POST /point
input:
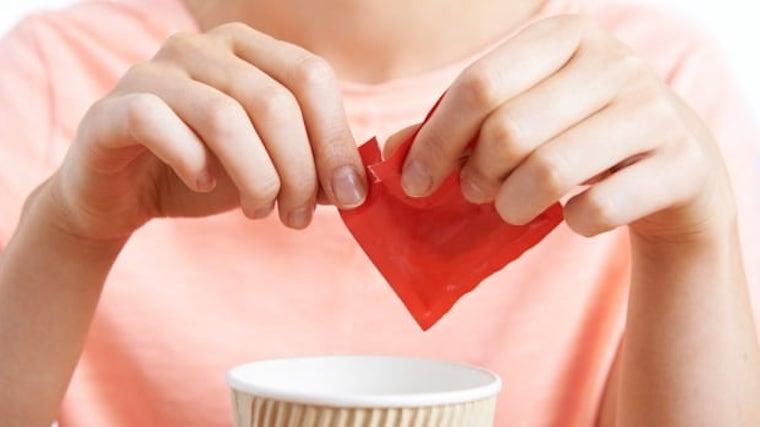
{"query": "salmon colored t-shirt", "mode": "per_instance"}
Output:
(188, 299)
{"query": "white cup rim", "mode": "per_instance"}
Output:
(468, 383)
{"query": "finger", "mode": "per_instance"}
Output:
(635, 192)
(597, 73)
(226, 130)
(276, 116)
(499, 76)
(144, 119)
(614, 135)
(624, 164)
(316, 88)
(398, 138)
(322, 198)
(388, 148)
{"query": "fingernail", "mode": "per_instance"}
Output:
(206, 182)
(416, 180)
(347, 187)
(472, 191)
(300, 217)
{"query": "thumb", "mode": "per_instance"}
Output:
(397, 138)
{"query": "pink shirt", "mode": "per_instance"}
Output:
(188, 299)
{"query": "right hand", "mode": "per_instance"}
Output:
(228, 118)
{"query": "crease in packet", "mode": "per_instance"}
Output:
(434, 250)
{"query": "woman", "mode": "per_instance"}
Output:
(126, 116)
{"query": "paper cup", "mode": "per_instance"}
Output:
(362, 391)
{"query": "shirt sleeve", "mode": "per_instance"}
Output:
(26, 119)
(705, 80)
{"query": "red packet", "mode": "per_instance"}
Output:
(434, 250)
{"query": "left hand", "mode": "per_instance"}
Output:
(562, 105)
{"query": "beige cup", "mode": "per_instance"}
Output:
(362, 391)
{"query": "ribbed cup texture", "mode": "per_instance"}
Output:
(253, 411)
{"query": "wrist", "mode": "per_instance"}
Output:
(712, 251)
(46, 214)
(42, 251)
(709, 234)
(708, 221)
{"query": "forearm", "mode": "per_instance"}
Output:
(50, 282)
(690, 351)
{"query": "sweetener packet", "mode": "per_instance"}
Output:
(433, 250)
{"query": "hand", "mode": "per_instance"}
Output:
(562, 105)
(214, 121)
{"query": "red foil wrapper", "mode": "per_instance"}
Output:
(433, 250)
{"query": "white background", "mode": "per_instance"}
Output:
(734, 23)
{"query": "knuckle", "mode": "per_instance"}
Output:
(331, 151)
(575, 20)
(620, 63)
(630, 65)
(275, 103)
(236, 27)
(331, 145)
(504, 136)
(101, 106)
(566, 19)
(178, 44)
(649, 89)
(662, 111)
(221, 114)
(140, 110)
(477, 88)
(552, 23)
(550, 171)
(312, 70)
(142, 69)
(567, 24)
(505, 129)
(571, 22)
(136, 76)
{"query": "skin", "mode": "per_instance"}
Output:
(582, 110)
